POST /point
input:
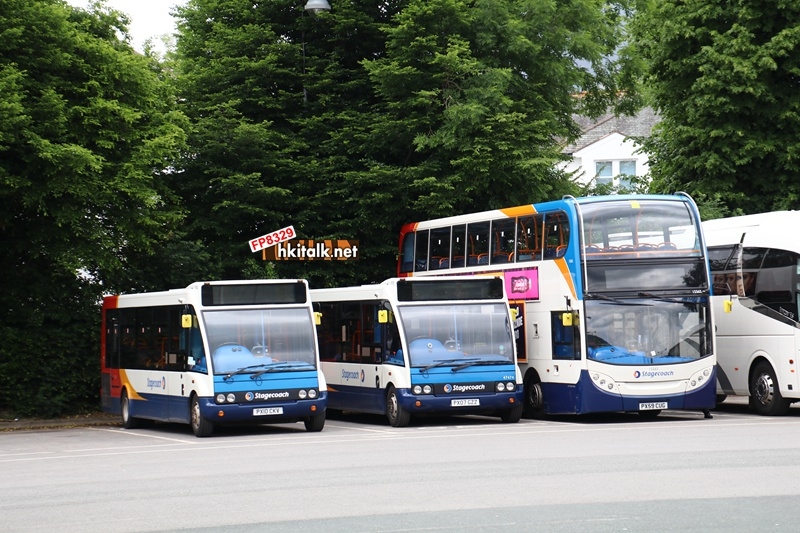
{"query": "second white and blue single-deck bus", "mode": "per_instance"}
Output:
(612, 294)
(219, 352)
(429, 346)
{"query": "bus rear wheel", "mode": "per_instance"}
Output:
(765, 393)
(315, 422)
(397, 415)
(128, 422)
(200, 426)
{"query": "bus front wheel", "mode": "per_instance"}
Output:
(200, 426)
(128, 422)
(315, 422)
(513, 415)
(533, 401)
(397, 415)
(765, 393)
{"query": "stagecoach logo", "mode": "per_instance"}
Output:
(477, 387)
(271, 395)
(653, 374)
(156, 383)
(347, 375)
(248, 396)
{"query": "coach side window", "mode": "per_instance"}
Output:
(777, 282)
(458, 246)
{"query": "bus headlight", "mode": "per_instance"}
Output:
(231, 397)
(427, 389)
(220, 398)
(699, 379)
(511, 386)
(422, 389)
(602, 381)
(417, 389)
(312, 393)
(500, 386)
(302, 394)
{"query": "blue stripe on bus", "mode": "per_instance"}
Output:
(565, 398)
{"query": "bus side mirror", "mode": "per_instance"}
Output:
(317, 318)
(383, 316)
(566, 319)
(728, 306)
(186, 321)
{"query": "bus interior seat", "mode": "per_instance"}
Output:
(501, 258)
(444, 262)
(667, 246)
(472, 260)
(561, 250)
(458, 261)
(483, 259)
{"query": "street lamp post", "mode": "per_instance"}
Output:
(313, 7)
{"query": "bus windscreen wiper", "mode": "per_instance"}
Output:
(442, 362)
(281, 365)
(479, 362)
(659, 298)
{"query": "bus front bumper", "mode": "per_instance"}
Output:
(262, 412)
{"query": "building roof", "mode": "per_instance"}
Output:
(639, 125)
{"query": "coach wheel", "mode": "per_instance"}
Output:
(533, 400)
(397, 415)
(721, 398)
(765, 394)
(315, 423)
(200, 426)
(128, 422)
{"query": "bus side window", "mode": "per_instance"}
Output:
(478, 241)
(458, 246)
(421, 255)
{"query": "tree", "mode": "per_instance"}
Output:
(86, 129)
(354, 122)
(724, 78)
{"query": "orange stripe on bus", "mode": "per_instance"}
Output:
(518, 211)
(132, 394)
(562, 266)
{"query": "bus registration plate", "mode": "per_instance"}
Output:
(268, 411)
(467, 402)
(653, 405)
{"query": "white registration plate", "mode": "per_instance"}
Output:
(466, 402)
(263, 411)
(653, 405)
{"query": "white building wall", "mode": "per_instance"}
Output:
(615, 148)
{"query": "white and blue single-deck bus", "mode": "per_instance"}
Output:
(611, 293)
(430, 346)
(755, 263)
(220, 352)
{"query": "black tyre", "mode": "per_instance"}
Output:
(513, 415)
(315, 423)
(398, 417)
(128, 422)
(721, 398)
(765, 393)
(200, 426)
(533, 402)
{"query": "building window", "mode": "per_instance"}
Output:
(627, 170)
(603, 175)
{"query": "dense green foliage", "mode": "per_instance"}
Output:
(356, 121)
(87, 126)
(724, 77)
